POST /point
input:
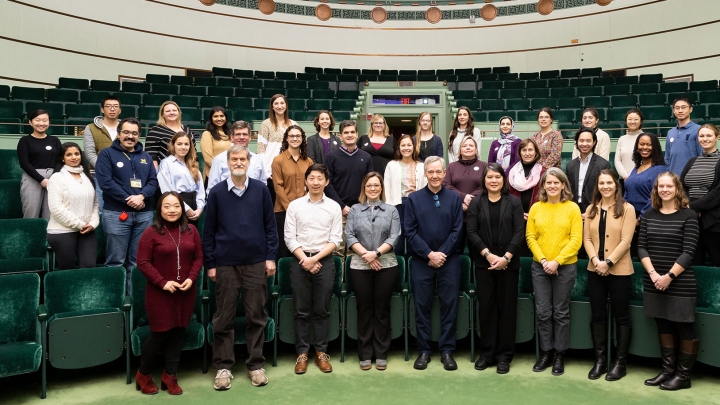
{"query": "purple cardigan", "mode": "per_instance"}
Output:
(514, 156)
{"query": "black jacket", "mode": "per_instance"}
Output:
(512, 229)
(314, 147)
(572, 170)
(709, 205)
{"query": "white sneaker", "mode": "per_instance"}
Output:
(222, 380)
(258, 377)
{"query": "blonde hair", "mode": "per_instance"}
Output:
(191, 161)
(417, 130)
(386, 131)
(466, 138)
(161, 119)
(681, 200)
(565, 194)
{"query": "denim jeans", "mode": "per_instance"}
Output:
(123, 238)
(99, 194)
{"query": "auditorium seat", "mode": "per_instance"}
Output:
(699, 111)
(704, 85)
(286, 75)
(11, 109)
(9, 192)
(564, 115)
(585, 81)
(249, 116)
(274, 84)
(597, 102)
(307, 76)
(263, 74)
(501, 69)
(105, 85)
(222, 82)
(517, 104)
(223, 72)
(570, 103)
(186, 101)
(492, 104)
(538, 103)
(462, 71)
(187, 90)
(23, 244)
(262, 104)
(591, 72)
(157, 79)
(570, 73)
(296, 104)
(693, 97)
(251, 93)
(568, 92)
(626, 80)
(135, 87)
(651, 78)
(296, 84)
(218, 91)
(181, 80)
(707, 313)
(624, 101)
(347, 71)
(72, 83)
(495, 116)
(93, 97)
(347, 94)
(645, 100)
(589, 91)
(549, 74)
(536, 84)
(170, 89)
(473, 105)
(343, 105)
(513, 84)
(398, 306)
(504, 93)
(657, 114)
(321, 94)
(616, 90)
(305, 115)
(675, 87)
(22, 345)
(463, 94)
(646, 88)
(81, 111)
(558, 83)
(497, 85)
(537, 93)
(62, 96)
(530, 116)
(487, 77)
(319, 85)
(318, 104)
(316, 70)
(529, 76)
(508, 76)
(603, 81)
(270, 93)
(299, 93)
(154, 100)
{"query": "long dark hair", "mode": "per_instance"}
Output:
(415, 154)
(657, 155)
(303, 146)
(160, 222)
(469, 130)
(83, 161)
(210, 127)
(618, 208)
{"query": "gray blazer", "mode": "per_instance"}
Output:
(314, 147)
(372, 227)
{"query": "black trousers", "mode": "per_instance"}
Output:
(250, 282)
(190, 199)
(311, 297)
(271, 188)
(171, 341)
(373, 292)
(283, 251)
(74, 247)
(618, 288)
(707, 245)
(497, 294)
(683, 330)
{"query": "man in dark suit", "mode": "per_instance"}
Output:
(583, 171)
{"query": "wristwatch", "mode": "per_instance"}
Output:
(487, 254)
(609, 262)
(506, 259)
(671, 274)
(377, 252)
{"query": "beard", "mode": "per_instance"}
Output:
(238, 172)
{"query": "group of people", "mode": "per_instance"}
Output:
(375, 197)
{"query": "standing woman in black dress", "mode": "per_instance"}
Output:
(668, 237)
(496, 233)
(379, 143)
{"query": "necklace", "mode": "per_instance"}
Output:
(177, 248)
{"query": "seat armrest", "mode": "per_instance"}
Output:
(275, 293)
(471, 289)
(42, 313)
(205, 297)
(127, 303)
(343, 290)
(405, 288)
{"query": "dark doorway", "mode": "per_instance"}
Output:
(401, 125)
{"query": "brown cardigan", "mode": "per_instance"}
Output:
(619, 234)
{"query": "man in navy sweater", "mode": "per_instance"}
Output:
(347, 166)
(433, 223)
(239, 246)
(126, 175)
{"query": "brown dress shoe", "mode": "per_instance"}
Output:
(301, 363)
(145, 384)
(322, 360)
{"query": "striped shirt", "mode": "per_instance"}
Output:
(699, 179)
(668, 239)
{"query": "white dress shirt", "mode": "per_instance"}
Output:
(173, 175)
(219, 170)
(583, 172)
(311, 225)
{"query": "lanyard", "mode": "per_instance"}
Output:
(132, 162)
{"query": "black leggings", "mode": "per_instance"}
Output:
(618, 288)
(171, 341)
(73, 247)
(684, 330)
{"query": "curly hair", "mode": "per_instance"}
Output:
(657, 155)
(303, 146)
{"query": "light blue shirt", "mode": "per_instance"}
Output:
(681, 145)
(219, 170)
(173, 175)
(237, 191)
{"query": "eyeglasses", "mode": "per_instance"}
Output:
(425, 120)
(294, 136)
(126, 132)
(681, 107)
(112, 107)
(378, 123)
(437, 201)
(373, 186)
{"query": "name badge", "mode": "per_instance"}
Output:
(135, 183)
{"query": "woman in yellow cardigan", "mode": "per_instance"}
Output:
(609, 227)
(554, 236)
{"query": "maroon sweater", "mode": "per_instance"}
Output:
(157, 259)
(465, 177)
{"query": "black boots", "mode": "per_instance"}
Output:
(559, 364)
(667, 356)
(546, 359)
(599, 338)
(618, 371)
(685, 361)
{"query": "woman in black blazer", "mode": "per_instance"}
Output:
(323, 142)
(582, 189)
(496, 232)
(701, 180)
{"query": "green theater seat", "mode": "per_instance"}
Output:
(4, 91)
(570, 103)
(589, 91)
(235, 103)
(538, 103)
(188, 90)
(136, 87)
(219, 71)
(649, 100)
(195, 332)
(11, 109)
(562, 92)
(212, 101)
(186, 101)
(222, 82)
(296, 104)
(207, 81)
(72, 83)
(616, 90)
(93, 97)
(243, 73)
(525, 321)
(704, 85)
(270, 93)
(320, 94)
(105, 85)
(28, 93)
(343, 105)
(707, 314)
(10, 168)
(62, 95)
(584, 81)
(529, 76)
(88, 320)
(305, 115)
(318, 104)
(159, 79)
(603, 81)
(517, 104)
(81, 111)
(626, 80)
(22, 347)
(302, 94)
(644, 341)
(218, 91)
(249, 116)
(651, 78)
(597, 102)
(248, 93)
(398, 305)
(624, 101)
(286, 75)
(591, 72)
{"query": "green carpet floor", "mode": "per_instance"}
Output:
(347, 384)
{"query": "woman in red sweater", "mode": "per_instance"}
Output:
(170, 256)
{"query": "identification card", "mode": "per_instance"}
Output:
(135, 183)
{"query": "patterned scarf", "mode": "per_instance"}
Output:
(506, 141)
